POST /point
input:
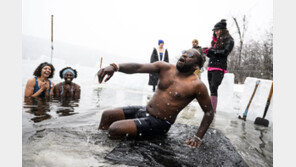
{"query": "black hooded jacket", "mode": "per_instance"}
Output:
(218, 57)
(153, 77)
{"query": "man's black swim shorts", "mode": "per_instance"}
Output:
(147, 124)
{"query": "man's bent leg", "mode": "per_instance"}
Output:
(122, 128)
(110, 116)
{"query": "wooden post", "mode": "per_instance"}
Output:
(51, 55)
(101, 62)
(51, 28)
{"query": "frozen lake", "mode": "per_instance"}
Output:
(66, 133)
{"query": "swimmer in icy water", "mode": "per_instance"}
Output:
(67, 88)
(177, 87)
(40, 85)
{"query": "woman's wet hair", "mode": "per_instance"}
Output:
(38, 70)
(61, 72)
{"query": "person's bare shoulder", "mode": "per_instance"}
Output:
(52, 83)
(76, 86)
(200, 87)
(31, 80)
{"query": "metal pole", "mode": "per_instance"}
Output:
(51, 55)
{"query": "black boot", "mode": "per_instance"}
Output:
(153, 89)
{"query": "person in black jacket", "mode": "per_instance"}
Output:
(159, 54)
(221, 46)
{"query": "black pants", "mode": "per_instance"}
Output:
(153, 89)
(215, 78)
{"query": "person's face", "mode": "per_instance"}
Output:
(187, 61)
(217, 32)
(46, 71)
(68, 77)
(161, 45)
(194, 44)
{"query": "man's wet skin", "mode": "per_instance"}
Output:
(173, 94)
(177, 87)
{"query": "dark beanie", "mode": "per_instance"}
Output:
(220, 25)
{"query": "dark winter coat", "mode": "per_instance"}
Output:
(218, 57)
(196, 47)
(153, 77)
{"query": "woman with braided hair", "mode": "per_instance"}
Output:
(67, 88)
(221, 45)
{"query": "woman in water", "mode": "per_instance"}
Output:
(221, 46)
(67, 88)
(40, 85)
(159, 54)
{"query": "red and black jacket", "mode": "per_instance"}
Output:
(218, 57)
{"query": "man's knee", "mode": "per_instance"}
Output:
(115, 129)
(120, 129)
(114, 113)
(106, 114)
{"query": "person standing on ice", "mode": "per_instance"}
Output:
(159, 54)
(177, 87)
(221, 45)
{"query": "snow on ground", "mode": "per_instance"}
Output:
(258, 103)
(233, 98)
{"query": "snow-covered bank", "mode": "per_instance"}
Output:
(257, 106)
(233, 98)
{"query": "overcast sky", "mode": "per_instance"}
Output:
(132, 27)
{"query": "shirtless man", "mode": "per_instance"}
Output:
(177, 87)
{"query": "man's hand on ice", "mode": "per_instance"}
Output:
(193, 142)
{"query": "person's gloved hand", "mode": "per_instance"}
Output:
(211, 51)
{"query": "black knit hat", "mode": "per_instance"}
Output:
(220, 25)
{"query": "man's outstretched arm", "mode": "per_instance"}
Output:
(204, 101)
(131, 68)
